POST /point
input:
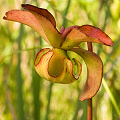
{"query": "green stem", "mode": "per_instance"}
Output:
(111, 97)
(36, 93)
(66, 11)
(49, 100)
(19, 80)
(89, 101)
(36, 83)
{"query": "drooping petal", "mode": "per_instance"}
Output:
(54, 37)
(85, 33)
(26, 18)
(41, 11)
(95, 32)
(75, 37)
(94, 73)
(51, 71)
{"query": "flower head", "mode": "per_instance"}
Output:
(55, 65)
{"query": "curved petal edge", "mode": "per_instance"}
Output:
(47, 22)
(65, 77)
(94, 73)
(27, 18)
(85, 33)
(95, 32)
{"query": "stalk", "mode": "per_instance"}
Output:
(89, 101)
(89, 109)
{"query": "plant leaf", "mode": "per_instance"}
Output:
(46, 21)
(94, 72)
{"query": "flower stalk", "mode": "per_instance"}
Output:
(89, 101)
(89, 109)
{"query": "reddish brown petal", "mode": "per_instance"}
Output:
(40, 11)
(68, 30)
(26, 18)
(75, 37)
(92, 31)
(54, 37)
(94, 73)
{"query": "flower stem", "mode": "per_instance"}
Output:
(89, 109)
(89, 101)
(89, 46)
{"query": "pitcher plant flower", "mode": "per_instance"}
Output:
(54, 64)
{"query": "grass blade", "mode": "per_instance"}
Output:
(111, 96)
(49, 100)
(19, 80)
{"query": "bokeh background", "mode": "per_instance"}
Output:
(26, 96)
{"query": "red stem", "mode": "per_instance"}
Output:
(89, 109)
(89, 101)
(89, 46)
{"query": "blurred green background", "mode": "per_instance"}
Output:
(26, 96)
